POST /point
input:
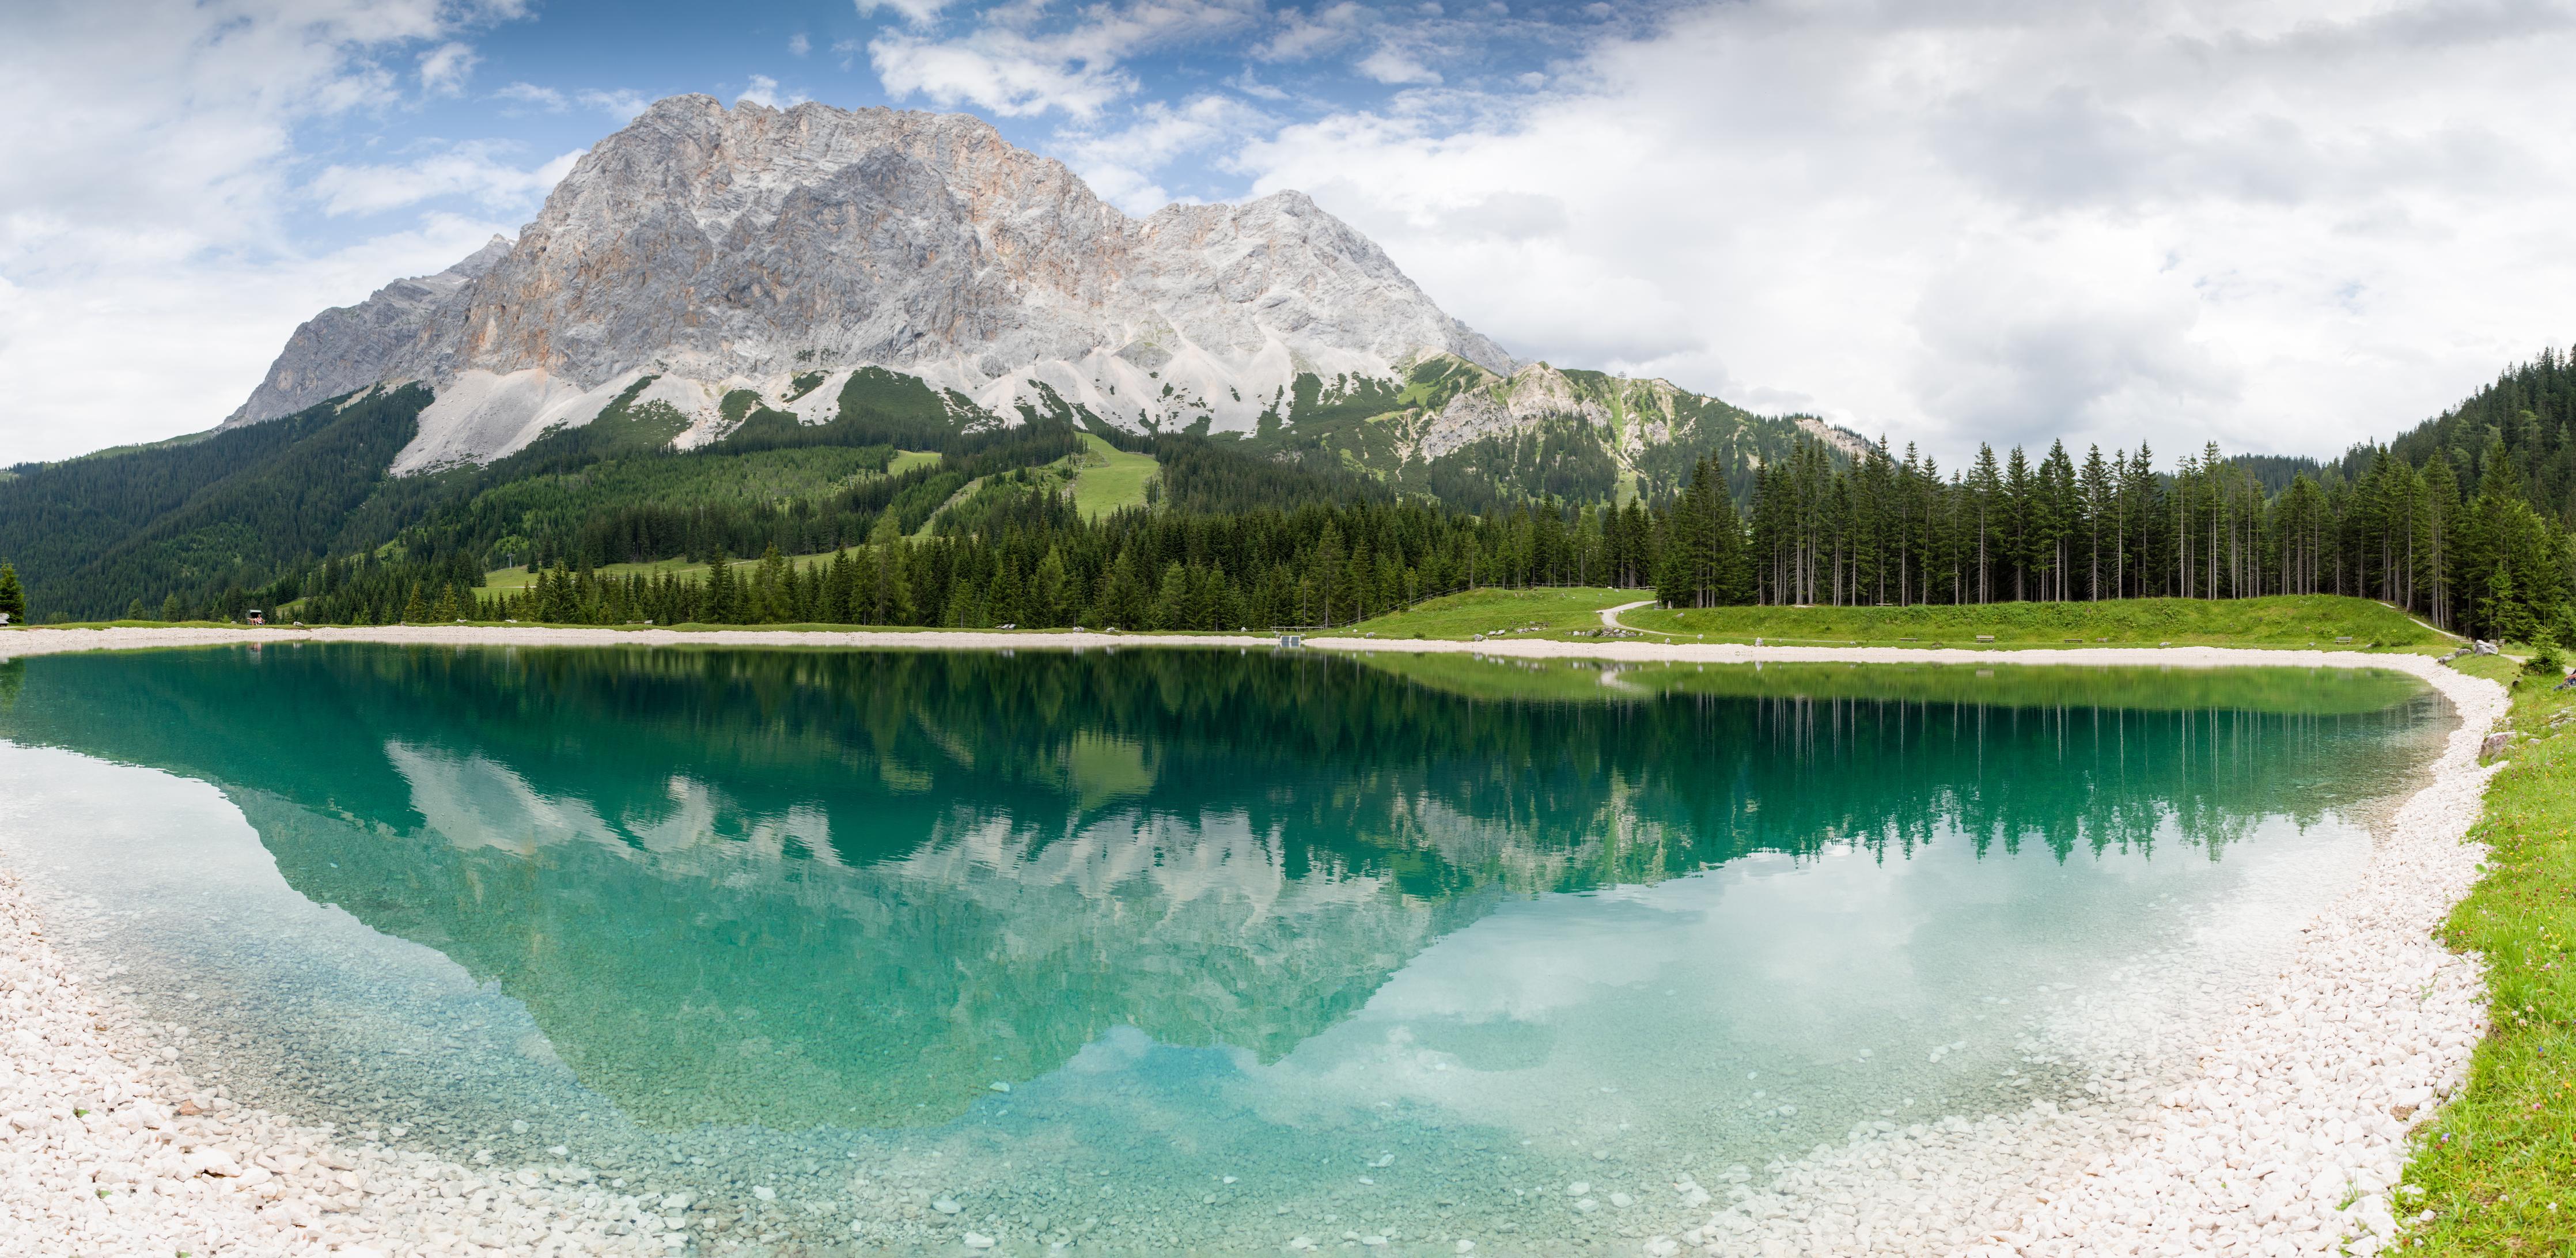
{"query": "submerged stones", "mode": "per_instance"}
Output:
(101, 1160)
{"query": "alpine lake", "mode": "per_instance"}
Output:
(1180, 950)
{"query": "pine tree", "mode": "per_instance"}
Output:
(772, 597)
(724, 598)
(1049, 590)
(13, 597)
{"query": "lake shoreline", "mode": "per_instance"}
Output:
(110, 1149)
(2290, 1124)
(2289, 1128)
(41, 641)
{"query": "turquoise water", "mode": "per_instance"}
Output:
(1172, 951)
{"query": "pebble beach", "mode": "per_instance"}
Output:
(2271, 1122)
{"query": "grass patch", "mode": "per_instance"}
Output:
(1552, 612)
(1110, 479)
(2492, 1165)
(2296, 621)
(2281, 621)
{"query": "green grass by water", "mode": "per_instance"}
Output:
(2278, 621)
(2294, 621)
(2498, 1166)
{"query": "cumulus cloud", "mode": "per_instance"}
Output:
(2285, 228)
(444, 69)
(1302, 33)
(1119, 163)
(1390, 64)
(798, 45)
(621, 104)
(146, 270)
(917, 12)
(466, 170)
(1017, 63)
(545, 98)
(764, 90)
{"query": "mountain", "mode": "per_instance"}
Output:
(745, 286)
(347, 348)
(720, 250)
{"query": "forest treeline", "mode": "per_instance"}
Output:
(1883, 530)
(2457, 540)
(2463, 521)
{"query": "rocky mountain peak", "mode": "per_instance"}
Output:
(347, 347)
(720, 248)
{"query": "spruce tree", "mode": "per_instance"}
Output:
(13, 597)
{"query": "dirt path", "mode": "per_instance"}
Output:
(1610, 617)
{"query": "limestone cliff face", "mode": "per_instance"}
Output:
(347, 348)
(736, 248)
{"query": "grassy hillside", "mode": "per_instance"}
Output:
(1109, 479)
(2296, 621)
(1548, 612)
(209, 523)
(1620, 437)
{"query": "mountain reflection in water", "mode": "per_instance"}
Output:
(852, 889)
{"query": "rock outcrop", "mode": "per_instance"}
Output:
(347, 348)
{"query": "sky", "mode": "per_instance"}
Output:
(2284, 227)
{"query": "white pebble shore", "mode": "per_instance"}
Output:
(104, 1156)
(2283, 1134)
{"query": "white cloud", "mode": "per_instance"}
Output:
(2285, 228)
(444, 69)
(1393, 65)
(147, 273)
(917, 12)
(1010, 83)
(622, 104)
(158, 351)
(798, 45)
(545, 98)
(1120, 164)
(1303, 34)
(764, 90)
(466, 170)
(1016, 64)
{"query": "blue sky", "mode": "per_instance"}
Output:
(1149, 99)
(2285, 227)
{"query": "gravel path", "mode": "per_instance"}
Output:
(2281, 1130)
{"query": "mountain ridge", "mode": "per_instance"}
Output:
(702, 252)
(725, 248)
